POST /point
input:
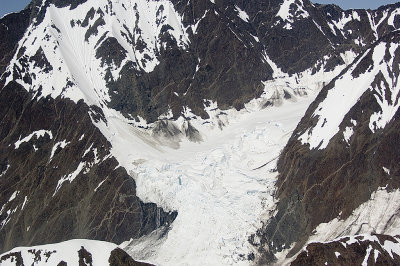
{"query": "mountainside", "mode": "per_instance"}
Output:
(342, 150)
(64, 175)
(118, 63)
(162, 125)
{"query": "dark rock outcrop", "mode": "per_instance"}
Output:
(371, 250)
(119, 257)
(12, 28)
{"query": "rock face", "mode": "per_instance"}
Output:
(202, 51)
(357, 250)
(119, 257)
(341, 151)
(58, 178)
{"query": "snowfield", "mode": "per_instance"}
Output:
(65, 251)
(222, 188)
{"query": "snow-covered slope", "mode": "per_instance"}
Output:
(55, 253)
(380, 77)
(72, 252)
(222, 188)
(68, 41)
(339, 171)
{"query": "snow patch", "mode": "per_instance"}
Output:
(38, 134)
(13, 196)
(242, 14)
(387, 171)
(365, 261)
(99, 185)
(392, 248)
(5, 170)
(70, 177)
(61, 145)
(23, 204)
(288, 16)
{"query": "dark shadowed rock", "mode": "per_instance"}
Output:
(371, 250)
(85, 258)
(12, 28)
(119, 257)
(13, 257)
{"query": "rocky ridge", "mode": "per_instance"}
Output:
(355, 250)
(353, 144)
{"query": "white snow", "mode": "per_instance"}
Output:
(379, 215)
(387, 171)
(74, 59)
(65, 251)
(221, 187)
(391, 248)
(60, 144)
(242, 14)
(376, 254)
(38, 134)
(288, 16)
(388, 106)
(99, 185)
(5, 170)
(341, 23)
(392, 16)
(87, 150)
(348, 132)
(345, 94)
(70, 177)
(13, 196)
(284, 11)
(23, 204)
(196, 25)
(365, 261)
